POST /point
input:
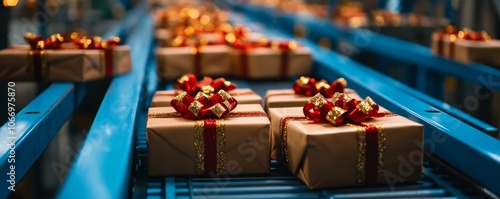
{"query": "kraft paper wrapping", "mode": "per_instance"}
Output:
(325, 156)
(243, 96)
(265, 63)
(75, 65)
(288, 98)
(171, 149)
(485, 52)
(177, 61)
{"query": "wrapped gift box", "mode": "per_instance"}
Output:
(485, 52)
(288, 98)
(268, 63)
(243, 96)
(172, 143)
(177, 61)
(76, 65)
(325, 156)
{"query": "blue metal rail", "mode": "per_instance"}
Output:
(104, 165)
(37, 124)
(388, 48)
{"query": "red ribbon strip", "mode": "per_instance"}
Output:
(371, 150)
(229, 115)
(309, 86)
(210, 146)
(189, 84)
(203, 106)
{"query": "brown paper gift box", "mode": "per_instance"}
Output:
(443, 46)
(75, 65)
(171, 149)
(288, 98)
(243, 96)
(325, 156)
(176, 61)
(485, 52)
(266, 63)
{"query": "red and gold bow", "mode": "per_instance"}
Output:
(189, 84)
(341, 109)
(309, 86)
(86, 42)
(473, 36)
(203, 106)
(37, 42)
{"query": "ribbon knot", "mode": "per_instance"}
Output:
(473, 36)
(207, 86)
(341, 109)
(96, 42)
(203, 106)
(309, 86)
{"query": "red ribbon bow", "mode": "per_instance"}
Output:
(96, 42)
(473, 36)
(341, 109)
(203, 106)
(37, 42)
(309, 86)
(189, 84)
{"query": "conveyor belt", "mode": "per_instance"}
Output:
(280, 183)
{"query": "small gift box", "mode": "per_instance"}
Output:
(207, 136)
(201, 60)
(208, 86)
(271, 60)
(52, 60)
(303, 89)
(346, 142)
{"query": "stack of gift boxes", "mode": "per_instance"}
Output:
(324, 133)
(202, 42)
(466, 46)
(77, 57)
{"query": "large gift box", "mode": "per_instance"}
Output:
(284, 61)
(205, 60)
(382, 150)
(238, 143)
(25, 63)
(243, 96)
(303, 89)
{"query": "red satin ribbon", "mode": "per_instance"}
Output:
(210, 146)
(189, 84)
(371, 162)
(309, 86)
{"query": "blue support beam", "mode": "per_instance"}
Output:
(104, 165)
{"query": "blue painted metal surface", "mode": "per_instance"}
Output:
(444, 133)
(364, 40)
(103, 167)
(35, 126)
